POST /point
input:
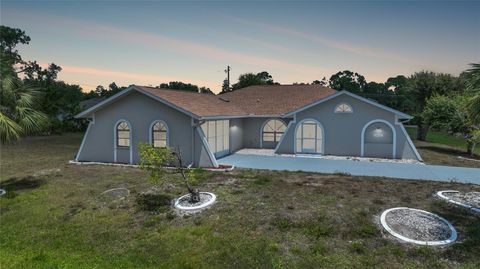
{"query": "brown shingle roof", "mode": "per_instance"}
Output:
(200, 104)
(271, 100)
(276, 99)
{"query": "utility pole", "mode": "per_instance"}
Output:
(228, 75)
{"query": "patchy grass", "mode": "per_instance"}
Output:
(263, 219)
(445, 155)
(449, 140)
(444, 149)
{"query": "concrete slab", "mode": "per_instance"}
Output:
(357, 168)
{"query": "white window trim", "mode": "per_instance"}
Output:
(394, 134)
(263, 126)
(150, 132)
(295, 136)
(115, 147)
(343, 112)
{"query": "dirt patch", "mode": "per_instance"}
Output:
(24, 183)
(152, 201)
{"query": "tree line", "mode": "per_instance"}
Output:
(438, 101)
(34, 101)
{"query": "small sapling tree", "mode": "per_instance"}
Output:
(163, 163)
(472, 141)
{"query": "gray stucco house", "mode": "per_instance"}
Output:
(291, 119)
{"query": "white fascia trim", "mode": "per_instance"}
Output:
(207, 146)
(396, 112)
(409, 140)
(128, 90)
(283, 136)
(394, 134)
(77, 157)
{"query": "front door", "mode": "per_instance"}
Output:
(309, 137)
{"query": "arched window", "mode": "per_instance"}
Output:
(309, 137)
(159, 134)
(378, 139)
(343, 108)
(273, 130)
(123, 134)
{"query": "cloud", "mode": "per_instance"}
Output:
(140, 39)
(148, 79)
(343, 46)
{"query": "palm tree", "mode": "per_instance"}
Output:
(473, 85)
(18, 116)
(473, 106)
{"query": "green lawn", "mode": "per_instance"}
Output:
(55, 216)
(445, 139)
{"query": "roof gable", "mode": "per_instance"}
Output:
(401, 115)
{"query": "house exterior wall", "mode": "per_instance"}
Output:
(343, 131)
(140, 111)
(237, 134)
(252, 131)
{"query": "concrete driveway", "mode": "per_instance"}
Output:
(357, 168)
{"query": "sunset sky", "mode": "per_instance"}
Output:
(150, 42)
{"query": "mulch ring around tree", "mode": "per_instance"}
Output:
(418, 226)
(470, 200)
(206, 199)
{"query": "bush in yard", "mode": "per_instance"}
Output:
(163, 163)
(443, 113)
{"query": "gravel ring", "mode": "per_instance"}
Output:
(114, 193)
(426, 228)
(470, 200)
(206, 199)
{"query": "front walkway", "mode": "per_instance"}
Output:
(357, 168)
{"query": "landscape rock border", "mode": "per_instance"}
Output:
(450, 200)
(451, 239)
(195, 208)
